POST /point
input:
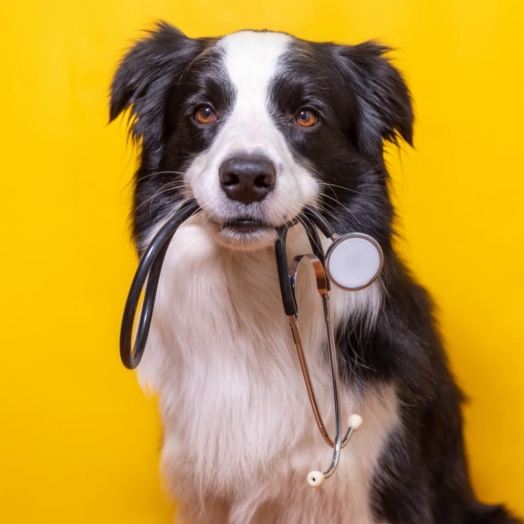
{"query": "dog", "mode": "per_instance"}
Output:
(255, 125)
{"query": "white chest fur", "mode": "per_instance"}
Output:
(239, 435)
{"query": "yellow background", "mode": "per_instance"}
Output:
(78, 441)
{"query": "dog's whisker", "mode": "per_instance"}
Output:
(330, 185)
(165, 188)
(144, 177)
(330, 213)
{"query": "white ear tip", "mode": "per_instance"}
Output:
(355, 421)
(315, 478)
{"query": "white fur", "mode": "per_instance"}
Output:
(239, 434)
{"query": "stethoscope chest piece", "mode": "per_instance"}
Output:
(354, 261)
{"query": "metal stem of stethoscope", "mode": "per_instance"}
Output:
(316, 478)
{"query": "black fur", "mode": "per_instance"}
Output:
(362, 101)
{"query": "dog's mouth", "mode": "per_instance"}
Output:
(245, 226)
(244, 233)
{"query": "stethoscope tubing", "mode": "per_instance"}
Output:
(149, 269)
(310, 218)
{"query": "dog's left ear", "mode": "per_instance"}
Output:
(384, 109)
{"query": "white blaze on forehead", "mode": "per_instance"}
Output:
(251, 61)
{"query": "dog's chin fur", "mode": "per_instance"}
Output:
(239, 435)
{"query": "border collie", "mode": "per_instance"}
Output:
(255, 125)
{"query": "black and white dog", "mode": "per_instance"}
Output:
(255, 125)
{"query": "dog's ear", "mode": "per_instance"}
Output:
(147, 75)
(384, 109)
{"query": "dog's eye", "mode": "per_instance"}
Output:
(205, 115)
(306, 118)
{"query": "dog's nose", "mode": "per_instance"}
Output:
(247, 179)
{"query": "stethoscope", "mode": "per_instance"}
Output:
(352, 262)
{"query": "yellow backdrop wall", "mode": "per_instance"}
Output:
(78, 441)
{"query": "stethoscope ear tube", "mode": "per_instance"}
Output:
(150, 266)
(288, 298)
(310, 218)
(314, 240)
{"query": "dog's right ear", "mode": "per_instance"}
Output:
(147, 75)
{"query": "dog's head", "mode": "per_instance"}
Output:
(255, 125)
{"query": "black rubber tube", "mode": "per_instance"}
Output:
(311, 218)
(150, 265)
(314, 241)
(286, 290)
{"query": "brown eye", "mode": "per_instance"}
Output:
(205, 115)
(306, 118)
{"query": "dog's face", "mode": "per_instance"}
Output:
(255, 125)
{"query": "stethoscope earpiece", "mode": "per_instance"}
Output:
(315, 478)
(355, 422)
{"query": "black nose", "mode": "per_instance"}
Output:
(247, 179)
